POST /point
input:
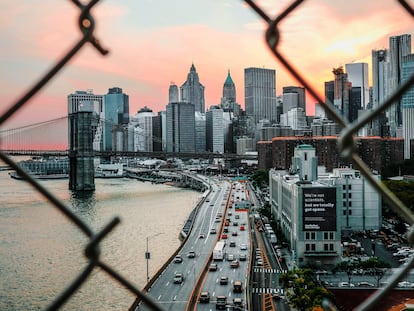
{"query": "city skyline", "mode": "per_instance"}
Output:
(148, 52)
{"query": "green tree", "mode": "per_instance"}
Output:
(302, 292)
(261, 178)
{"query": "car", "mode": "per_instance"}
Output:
(237, 216)
(224, 280)
(365, 284)
(237, 286)
(276, 297)
(260, 262)
(232, 244)
(224, 236)
(178, 278)
(241, 228)
(229, 213)
(345, 284)
(178, 259)
(243, 247)
(226, 230)
(405, 284)
(237, 303)
(234, 233)
(217, 219)
(204, 297)
(234, 264)
(212, 267)
(221, 302)
(213, 231)
(243, 257)
(230, 257)
(191, 254)
(202, 236)
(235, 223)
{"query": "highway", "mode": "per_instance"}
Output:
(174, 296)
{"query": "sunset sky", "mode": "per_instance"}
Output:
(152, 43)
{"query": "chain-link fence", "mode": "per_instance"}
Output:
(346, 144)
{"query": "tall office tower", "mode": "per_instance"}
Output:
(163, 115)
(354, 103)
(215, 130)
(116, 119)
(180, 127)
(290, 101)
(157, 133)
(407, 104)
(87, 101)
(329, 91)
(192, 91)
(260, 94)
(173, 96)
(341, 91)
(229, 90)
(228, 100)
(143, 137)
(300, 91)
(200, 132)
(400, 46)
(358, 76)
(380, 85)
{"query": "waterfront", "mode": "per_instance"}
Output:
(41, 252)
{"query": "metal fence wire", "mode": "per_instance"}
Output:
(346, 145)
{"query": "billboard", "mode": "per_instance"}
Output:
(319, 209)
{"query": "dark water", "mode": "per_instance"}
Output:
(41, 251)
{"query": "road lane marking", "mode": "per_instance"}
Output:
(159, 297)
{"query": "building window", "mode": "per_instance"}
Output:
(331, 247)
(310, 236)
(350, 212)
(325, 247)
(344, 212)
(325, 236)
(307, 247)
(349, 203)
(331, 235)
(349, 195)
(349, 187)
(306, 156)
(313, 247)
(343, 187)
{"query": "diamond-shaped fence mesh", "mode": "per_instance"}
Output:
(346, 144)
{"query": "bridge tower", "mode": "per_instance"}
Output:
(81, 155)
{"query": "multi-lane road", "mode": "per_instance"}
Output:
(174, 296)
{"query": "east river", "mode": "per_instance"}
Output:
(41, 251)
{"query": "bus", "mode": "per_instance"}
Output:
(218, 252)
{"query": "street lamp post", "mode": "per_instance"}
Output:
(148, 254)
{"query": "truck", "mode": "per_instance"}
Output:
(218, 252)
(273, 239)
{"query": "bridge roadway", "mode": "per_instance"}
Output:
(172, 296)
(152, 154)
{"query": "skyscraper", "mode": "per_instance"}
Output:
(400, 46)
(143, 137)
(229, 90)
(180, 127)
(407, 104)
(116, 116)
(192, 91)
(173, 96)
(260, 94)
(215, 130)
(358, 76)
(380, 85)
(301, 95)
(228, 100)
(341, 91)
